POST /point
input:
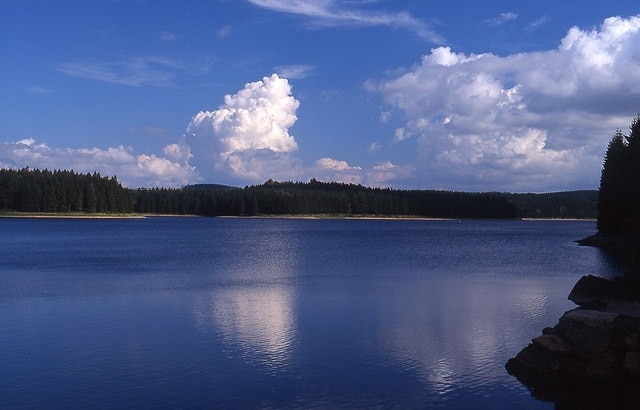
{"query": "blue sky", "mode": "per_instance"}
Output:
(476, 96)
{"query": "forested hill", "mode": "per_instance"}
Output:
(315, 197)
(29, 190)
(32, 190)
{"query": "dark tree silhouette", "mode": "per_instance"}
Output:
(619, 195)
(32, 190)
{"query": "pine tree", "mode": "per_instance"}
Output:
(619, 194)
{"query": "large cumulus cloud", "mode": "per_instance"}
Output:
(248, 136)
(535, 121)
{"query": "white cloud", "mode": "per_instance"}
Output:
(502, 18)
(329, 169)
(482, 118)
(375, 147)
(36, 89)
(156, 71)
(132, 170)
(533, 25)
(380, 175)
(294, 71)
(224, 31)
(248, 136)
(178, 152)
(336, 12)
(334, 164)
(168, 37)
(384, 173)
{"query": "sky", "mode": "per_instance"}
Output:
(507, 96)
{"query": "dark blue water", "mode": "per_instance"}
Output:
(271, 313)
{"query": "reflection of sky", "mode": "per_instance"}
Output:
(259, 320)
(448, 330)
(254, 310)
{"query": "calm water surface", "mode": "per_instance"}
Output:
(270, 313)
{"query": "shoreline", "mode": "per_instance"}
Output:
(562, 219)
(54, 215)
(340, 216)
(41, 215)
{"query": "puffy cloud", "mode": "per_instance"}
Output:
(132, 170)
(248, 136)
(482, 118)
(334, 164)
(383, 173)
(178, 152)
(380, 175)
(329, 169)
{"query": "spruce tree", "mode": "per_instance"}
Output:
(619, 194)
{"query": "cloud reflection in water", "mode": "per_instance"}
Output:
(253, 311)
(258, 320)
(468, 339)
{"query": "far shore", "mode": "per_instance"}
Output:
(46, 215)
(78, 215)
(561, 219)
(341, 216)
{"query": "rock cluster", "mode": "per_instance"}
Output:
(593, 348)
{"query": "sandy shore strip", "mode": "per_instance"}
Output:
(41, 215)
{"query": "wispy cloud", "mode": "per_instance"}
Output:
(536, 23)
(336, 13)
(36, 89)
(168, 37)
(294, 71)
(224, 31)
(156, 71)
(501, 19)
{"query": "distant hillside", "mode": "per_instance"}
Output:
(333, 198)
(315, 197)
(30, 190)
(570, 204)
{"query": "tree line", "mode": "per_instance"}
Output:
(315, 197)
(619, 194)
(33, 190)
(333, 198)
(29, 190)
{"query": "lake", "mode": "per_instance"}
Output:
(279, 313)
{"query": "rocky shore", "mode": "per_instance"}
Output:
(591, 357)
